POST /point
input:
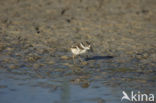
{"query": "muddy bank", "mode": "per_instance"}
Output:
(44, 27)
(35, 37)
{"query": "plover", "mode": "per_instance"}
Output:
(80, 48)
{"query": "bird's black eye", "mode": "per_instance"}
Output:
(88, 42)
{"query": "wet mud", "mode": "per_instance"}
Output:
(36, 63)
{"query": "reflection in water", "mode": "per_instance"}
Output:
(36, 90)
(65, 95)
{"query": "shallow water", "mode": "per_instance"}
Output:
(55, 79)
(23, 89)
(99, 81)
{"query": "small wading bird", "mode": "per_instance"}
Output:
(80, 48)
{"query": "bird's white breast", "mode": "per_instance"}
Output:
(77, 51)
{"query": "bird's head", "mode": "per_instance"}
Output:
(89, 46)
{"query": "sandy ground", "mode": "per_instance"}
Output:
(37, 34)
(115, 28)
(39, 29)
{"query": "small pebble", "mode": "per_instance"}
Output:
(64, 57)
(85, 85)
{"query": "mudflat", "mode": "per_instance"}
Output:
(35, 41)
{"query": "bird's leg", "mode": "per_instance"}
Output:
(87, 56)
(74, 59)
(80, 59)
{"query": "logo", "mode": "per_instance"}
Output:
(138, 96)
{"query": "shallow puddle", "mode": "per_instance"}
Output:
(23, 89)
